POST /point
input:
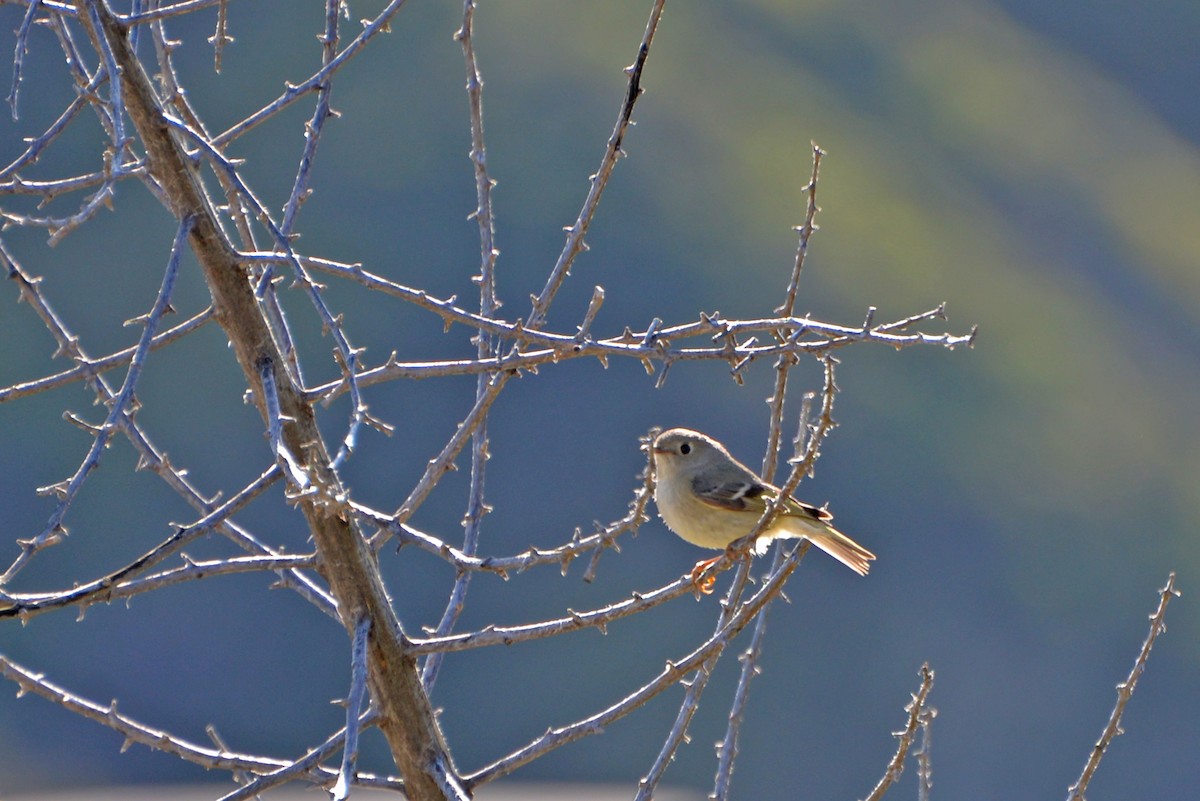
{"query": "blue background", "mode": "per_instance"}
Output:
(1033, 165)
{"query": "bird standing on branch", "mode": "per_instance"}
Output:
(710, 499)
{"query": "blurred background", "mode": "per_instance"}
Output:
(1032, 165)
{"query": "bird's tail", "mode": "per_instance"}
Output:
(829, 540)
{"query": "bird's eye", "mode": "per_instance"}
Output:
(685, 449)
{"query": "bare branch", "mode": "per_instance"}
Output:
(40, 143)
(306, 766)
(354, 704)
(522, 361)
(1125, 692)
(925, 755)
(19, 51)
(727, 749)
(731, 604)
(93, 367)
(170, 10)
(136, 732)
(555, 347)
(787, 309)
(671, 674)
(132, 730)
(295, 91)
(221, 38)
(315, 125)
(576, 233)
(149, 457)
(150, 131)
(408, 721)
(915, 710)
(66, 491)
(574, 621)
(485, 343)
(118, 583)
(347, 355)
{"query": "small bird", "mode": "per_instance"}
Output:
(710, 499)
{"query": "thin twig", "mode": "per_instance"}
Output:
(1125, 692)
(25, 605)
(132, 730)
(150, 457)
(573, 621)
(787, 309)
(135, 731)
(94, 367)
(925, 755)
(670, 675)
(287, 461)
(915, 711)
(115, 101)
(197, 570)
(727, 749)
(354, 704)
(305, 766)
(444, 461)
(38, 144)
(485, 343)
(578, 231)
(221, 38)
(558, 346)
(731, 604)
(66, 491)
(348, 356)
(265, 285)
(603, 538)
(168, 11)
(617, 347)
(19, 51)
(371, 28)
(314, 127)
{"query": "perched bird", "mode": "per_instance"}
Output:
(711, 499)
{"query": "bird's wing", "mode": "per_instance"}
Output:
(736, 493)
(748, 494)
(795, 507)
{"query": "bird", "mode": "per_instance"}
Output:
(710, 499)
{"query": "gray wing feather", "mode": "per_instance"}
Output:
(728, 494)
(732, 494)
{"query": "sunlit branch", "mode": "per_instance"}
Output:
(1125, 692)
(671, 674)
(915, 710)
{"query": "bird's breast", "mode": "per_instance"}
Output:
(697, 522)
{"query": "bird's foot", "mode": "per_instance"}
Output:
(704, 583)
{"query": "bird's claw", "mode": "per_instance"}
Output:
(704, 583)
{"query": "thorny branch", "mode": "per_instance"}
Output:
(408, 722)
(135, 731)
(727, 749)
(671, 674)
(156, 139)
(149, 456)
(1125, 691)
(916, 714)
(485, 343)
